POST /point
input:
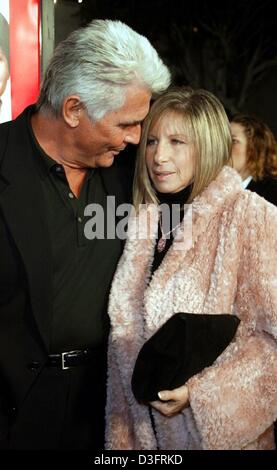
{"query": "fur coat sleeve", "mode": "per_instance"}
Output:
(233, 401)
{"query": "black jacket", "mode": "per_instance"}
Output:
(266, 188)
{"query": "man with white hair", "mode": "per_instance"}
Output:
(56, 158)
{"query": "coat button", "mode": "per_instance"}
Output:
(34, 366)
(12, 412)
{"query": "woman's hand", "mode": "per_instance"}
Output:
(176, 400)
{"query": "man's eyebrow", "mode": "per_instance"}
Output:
(131, 123)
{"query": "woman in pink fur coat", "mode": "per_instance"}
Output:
(226, 263)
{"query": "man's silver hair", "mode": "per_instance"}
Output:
(98, 63)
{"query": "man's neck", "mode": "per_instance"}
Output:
(48, 132)
(53, 137)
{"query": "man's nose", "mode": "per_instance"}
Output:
(133, 135)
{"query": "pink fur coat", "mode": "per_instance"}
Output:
(230, 267)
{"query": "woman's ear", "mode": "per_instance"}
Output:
(71, 110)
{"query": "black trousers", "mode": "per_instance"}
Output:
(64, 410)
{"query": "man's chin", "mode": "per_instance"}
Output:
(106, 161)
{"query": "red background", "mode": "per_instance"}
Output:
(24, 53)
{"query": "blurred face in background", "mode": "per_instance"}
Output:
(170, 154)
(4, 73)
(239, 149)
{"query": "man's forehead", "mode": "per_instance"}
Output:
(133, 110)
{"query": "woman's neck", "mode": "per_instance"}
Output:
(179, 197)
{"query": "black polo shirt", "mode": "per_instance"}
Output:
(82, 268)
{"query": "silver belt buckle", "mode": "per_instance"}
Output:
(64, 367)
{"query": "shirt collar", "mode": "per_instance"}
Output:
(246, 182)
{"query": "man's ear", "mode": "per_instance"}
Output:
(72, 109)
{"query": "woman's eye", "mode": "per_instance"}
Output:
(151, 141)
(177, 141)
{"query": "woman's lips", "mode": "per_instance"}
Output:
(162, 176)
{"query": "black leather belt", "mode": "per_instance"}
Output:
(69, 359)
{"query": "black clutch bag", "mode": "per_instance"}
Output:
(182, 347)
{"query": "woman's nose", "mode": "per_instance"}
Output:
(160, 155)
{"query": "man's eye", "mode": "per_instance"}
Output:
(130, 126)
